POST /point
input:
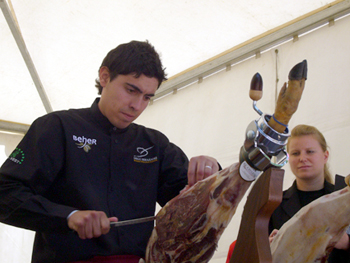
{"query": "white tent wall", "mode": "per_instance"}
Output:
(210, 117)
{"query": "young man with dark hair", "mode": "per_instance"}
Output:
(77, 170)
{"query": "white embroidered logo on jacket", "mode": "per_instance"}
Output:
(85, 143)
(143, 153)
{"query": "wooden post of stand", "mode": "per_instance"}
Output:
(252, 243)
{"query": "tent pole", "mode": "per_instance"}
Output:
(11, 21)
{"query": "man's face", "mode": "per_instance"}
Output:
(124, 98)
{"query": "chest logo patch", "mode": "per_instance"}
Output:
(142, 156)
(83, 142)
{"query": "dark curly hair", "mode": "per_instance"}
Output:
(135, 57)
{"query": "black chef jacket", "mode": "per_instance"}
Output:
(77, 159)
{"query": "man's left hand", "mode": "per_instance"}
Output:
(200, 167)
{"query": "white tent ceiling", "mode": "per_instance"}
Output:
(65, 41)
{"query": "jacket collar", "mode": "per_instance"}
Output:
(291, 203)
(103, 121)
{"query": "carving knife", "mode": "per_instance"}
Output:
(133, 221)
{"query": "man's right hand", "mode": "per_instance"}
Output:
(90, 224)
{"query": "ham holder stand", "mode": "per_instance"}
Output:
(261, 145)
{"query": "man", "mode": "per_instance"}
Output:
(76, 171)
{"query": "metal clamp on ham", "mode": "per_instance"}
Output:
(262, 143)
(264, 146)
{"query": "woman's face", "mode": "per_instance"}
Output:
(306, 157)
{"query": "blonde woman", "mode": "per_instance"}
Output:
(308, 156)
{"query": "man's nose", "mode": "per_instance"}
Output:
(137, 103)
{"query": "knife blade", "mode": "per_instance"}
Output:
(133, 221)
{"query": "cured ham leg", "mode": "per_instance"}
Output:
(189, 226)
(317, 226)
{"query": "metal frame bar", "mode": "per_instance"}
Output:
(11, 21)
(13, 127)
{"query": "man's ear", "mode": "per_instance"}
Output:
(104, 76)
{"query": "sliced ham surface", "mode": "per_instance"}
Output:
(311, 234)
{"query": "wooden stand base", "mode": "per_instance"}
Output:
(253, 239)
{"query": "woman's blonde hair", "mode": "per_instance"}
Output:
(302, 130)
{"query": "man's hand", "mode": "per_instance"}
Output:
(201, 167)
(90, 224)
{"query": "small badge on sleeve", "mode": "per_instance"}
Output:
(17, 156)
